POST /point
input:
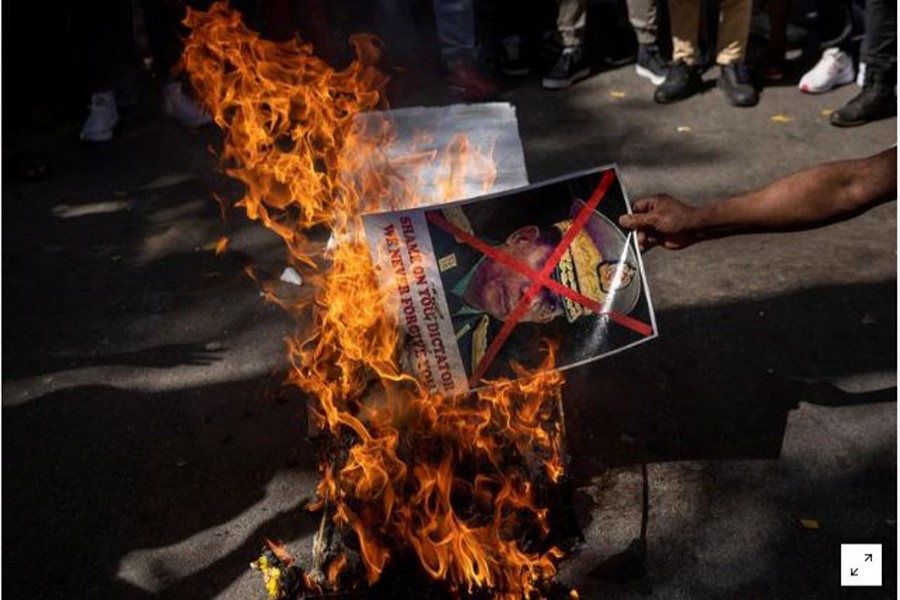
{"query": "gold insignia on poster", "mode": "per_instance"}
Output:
(479, 341)
(447, 262)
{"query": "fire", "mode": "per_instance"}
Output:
(221, 245)
(450, 480)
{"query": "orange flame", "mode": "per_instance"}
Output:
(424, 473)
(335, 568)
(280, 551)
(221, 245)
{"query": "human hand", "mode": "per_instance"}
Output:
(662, 220)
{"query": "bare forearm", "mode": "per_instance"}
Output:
(810, 198)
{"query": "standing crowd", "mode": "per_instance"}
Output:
(844, 58)
(677, 44)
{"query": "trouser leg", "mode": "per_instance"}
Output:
(644, 18)
(685, 21)
(880, 43)
(455, 21)
(734, 30)
(834, 22)
(108, 33)
(571, 21)
(164, 31)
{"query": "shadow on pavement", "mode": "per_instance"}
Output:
(718, 386)
(95, 473)
(719, 381)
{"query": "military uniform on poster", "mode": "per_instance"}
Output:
(487, 256)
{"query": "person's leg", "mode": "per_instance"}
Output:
(107, 29)
(684, 16)
(571, 21)
(455, 20)
(683, 77)
(834, 22)
(731, 42)
(163, 21)
(734, 30)
(880, 43)
(878, 98)
(572, 64)
(644, 18)
(509, 31)
(771, 59)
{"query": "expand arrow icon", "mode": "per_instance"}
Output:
(868, 558)
(853, 572)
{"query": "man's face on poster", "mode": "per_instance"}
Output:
(497, 289)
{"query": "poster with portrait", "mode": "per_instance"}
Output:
(481, 284)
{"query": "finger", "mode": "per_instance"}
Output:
(642, 205)
(636, 221)
(641, 239)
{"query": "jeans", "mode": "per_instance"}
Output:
(455, 20)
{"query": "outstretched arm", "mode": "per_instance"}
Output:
(811, 198)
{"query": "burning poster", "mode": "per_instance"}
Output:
(482, 285)
(448, 152)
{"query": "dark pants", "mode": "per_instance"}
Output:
(834, 23)
(879, 50)
(107, 28)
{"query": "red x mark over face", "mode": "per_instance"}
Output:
(540, 279)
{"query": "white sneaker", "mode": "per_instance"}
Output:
(102, 119)
(835, 68)
(181, 107)
(861, 75)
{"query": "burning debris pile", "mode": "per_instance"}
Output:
(421, 495)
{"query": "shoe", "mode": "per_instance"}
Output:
(734, 81)
(571, 66)
(650, 64)
(834, 69)
(464, 77)
(102, 119)
(681, 81)
(861, 74)
(512, 60)
(181, 107)
(877, 100)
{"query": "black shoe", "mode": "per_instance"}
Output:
(681, 81)
(876, 101)
(571, 66)
(650, 64)
(734, 81)
(512, 60)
